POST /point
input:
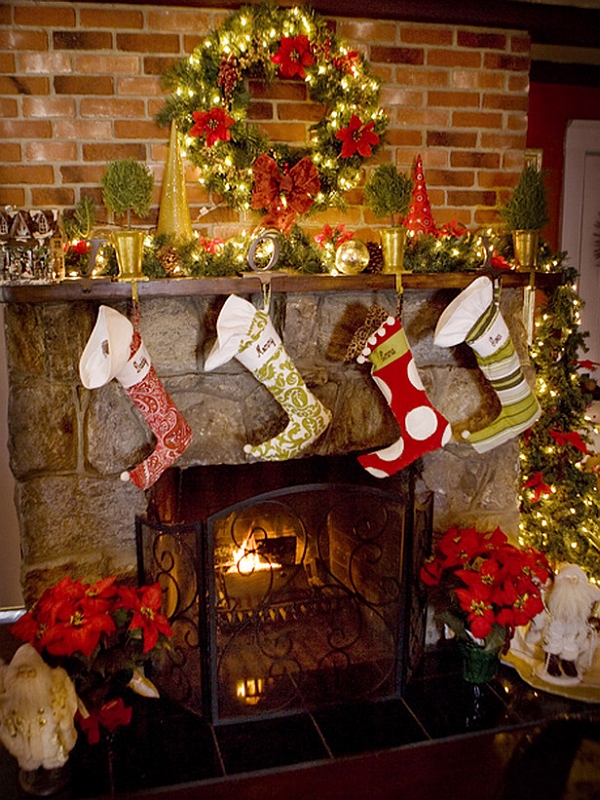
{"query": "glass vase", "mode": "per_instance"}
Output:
(478, 664)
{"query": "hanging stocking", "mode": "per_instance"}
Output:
(474, 317)
(248, 335)
(423, 428)
(116, 350)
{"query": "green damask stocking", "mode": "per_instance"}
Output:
(248, 335)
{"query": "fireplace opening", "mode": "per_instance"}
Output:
(289, 586)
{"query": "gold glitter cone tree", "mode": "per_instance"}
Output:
(174, 215)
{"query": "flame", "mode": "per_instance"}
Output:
(246, 559)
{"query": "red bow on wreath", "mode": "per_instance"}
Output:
(284, 195)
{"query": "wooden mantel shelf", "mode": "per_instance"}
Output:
(108, 289)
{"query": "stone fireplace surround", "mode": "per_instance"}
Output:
(68, 445)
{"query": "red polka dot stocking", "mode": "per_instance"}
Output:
(423, 428)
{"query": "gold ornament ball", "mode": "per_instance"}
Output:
(352, 257)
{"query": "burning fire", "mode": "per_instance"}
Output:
(247, 559)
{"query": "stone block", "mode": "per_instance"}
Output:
(43, 433)
(170, 328)
(68, 514)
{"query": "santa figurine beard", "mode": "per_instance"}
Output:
(569, 640)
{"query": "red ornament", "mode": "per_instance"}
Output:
(420, 218)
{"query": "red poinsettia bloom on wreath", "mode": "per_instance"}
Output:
(213, 124)
(357, 138)
(293, 55)
(486, 585)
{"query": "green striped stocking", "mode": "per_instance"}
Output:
(474, 317)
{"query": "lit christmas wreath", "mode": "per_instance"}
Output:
(209, 104)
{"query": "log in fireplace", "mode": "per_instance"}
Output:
(299, 594)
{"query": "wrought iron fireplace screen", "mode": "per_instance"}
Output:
(285, 602)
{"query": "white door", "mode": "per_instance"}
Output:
(580, 235)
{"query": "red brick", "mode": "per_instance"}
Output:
(444, 215)
(482, 41)
(7, 63)
(148, 42)
(398, 55)
(48, 106)
(284, 132)
(26, 173)
(45, 64)
(260, 111)
(426, 35)
(398, 96)
(25, 129)
(82, 40)
(398, 137)
(114, 18)
(156, 65)
(518, 83)
(5, 15)
(82, 129)
(82, 173)
(474, 119)
(454, 58)
(475, 159)
(366, 31)
(148, 87)
(497, 180)
(50, 196)
(437, 177)
(8, 107)
(470, 79)
(178, 19)
(17, 84)
(137, 129)
(109, 65)
(451, 139)
(506, 63)
(18, 40)
(516, 122)
(110, 107)
(506, 102)
(306, 112)
(383, 73)
(486, 217)
(51, 151)
(42, 15)
(501, 141)
(432, 157)
(112, 151)
(190, 43)
(83, 84)
(474, 198)
(520, 44)
(422, 78)
(416, 117)
(279, 90)
(11, 152)
(11, 196)
(453, 99)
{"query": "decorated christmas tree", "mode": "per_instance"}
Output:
(560, 501)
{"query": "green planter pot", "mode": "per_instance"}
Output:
(393, 242)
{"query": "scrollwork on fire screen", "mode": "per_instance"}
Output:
(307, 599)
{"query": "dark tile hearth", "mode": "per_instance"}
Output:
(168, 752)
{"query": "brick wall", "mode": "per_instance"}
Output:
(80, 85)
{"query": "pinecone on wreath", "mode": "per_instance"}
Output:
(169, 259)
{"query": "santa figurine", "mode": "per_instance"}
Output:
(569, 637)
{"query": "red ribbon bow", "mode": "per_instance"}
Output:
(284, 195)
(573, 438)
(536, 482)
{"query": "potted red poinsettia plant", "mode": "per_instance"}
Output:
(483, 588)
(102, 634)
